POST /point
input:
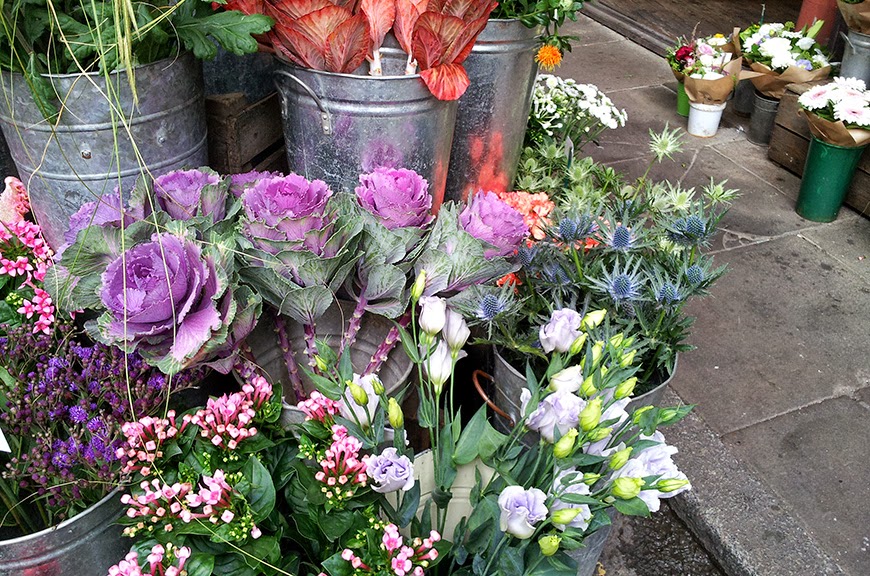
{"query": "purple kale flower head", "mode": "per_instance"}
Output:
(490, 220)
(397, 198)
(106, 212)
(240, 182)
(390, 471)
(289, 209)
(184, 194)
(161, 297)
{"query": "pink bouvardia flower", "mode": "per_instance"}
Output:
(228, 420)
(342, 468)
(320, 408)
(396, 557)
(24, 258)
(398, 198)
(160, 561)
(491, 220)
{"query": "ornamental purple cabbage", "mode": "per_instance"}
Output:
(105, 212)
(397, 198)
(288, 209)
(490, 220)
(184, 194)
(240, 182)
(161, 298)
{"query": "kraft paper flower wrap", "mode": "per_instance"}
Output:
(836, 133)
(857, 16)
(701, 91)
(839, 112)
(772, 84)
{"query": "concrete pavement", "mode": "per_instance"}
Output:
(777, 448)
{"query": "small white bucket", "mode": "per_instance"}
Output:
(704, 119)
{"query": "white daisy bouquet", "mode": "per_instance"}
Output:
(839, 112)
(781, 55)
(562, 109)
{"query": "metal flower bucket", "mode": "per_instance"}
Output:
(337, 126)
(89, 152)
(493, 112)
(856, 56)
(86, 544)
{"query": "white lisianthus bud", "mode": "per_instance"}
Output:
(456, 331)
(619, 458)
(568, 380)
(625, 388)
(590, 416)
(578, 344)
(439, 366)
(419, 286)
(433, 314)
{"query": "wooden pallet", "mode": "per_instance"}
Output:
(790, 140)
(244, 137)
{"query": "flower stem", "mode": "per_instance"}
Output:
(289, 358)
(392, 338)
(311, 345)
(353, 325)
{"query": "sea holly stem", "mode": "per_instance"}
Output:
(383, 351)
(353, 325)
(289, 358)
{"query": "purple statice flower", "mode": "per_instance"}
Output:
(157, 382)
(163, 297)
(289, 209)
(493, 222)
(390, 471)
(397, 198)
(96, 424)
(239, 182)
(77, 414)
(184, 194)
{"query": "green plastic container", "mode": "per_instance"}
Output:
(827, 175)
(682, 100)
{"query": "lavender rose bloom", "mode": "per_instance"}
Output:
(184, 194)
(390, 471)
(288, 209)
(397, 198)
(490, 220)
(561, 331)
(520, 510)
(161, 297)
(559, 410)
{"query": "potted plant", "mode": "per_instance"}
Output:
(856, 55)
(839, 117)
(779, 55)
(708, 83)
(76, 117)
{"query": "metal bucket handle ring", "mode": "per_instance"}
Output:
(481, 374)
(848, 40)
(325, 122)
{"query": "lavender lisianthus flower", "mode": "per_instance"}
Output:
(398, 198)
(490, 220)
(288, 209)
(571, 482)
(520, 510)
(161, 297)
(557, 411)
(561, 331)
(390, 471)
(184, 194)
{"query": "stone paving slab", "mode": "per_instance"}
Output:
(819, 457)
(847, 240)
(784, 328)
(612, 66)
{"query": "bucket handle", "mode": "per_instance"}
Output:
(481, 374)
(325, 122)
(848, 41)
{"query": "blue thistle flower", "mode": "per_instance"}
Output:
(568, 229)
(555, 274)
(689, 230)
(695, 275)
(490, 307)
(624, 287)
(624, 284)
(527, 255)
(572, 229)
(622, 238)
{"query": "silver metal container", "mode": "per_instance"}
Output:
(247, 73)
(89, 152)
(856, 56)
(763, 119)
(493, 112)
(85, 545)
(587, 557)
(744, 98)
(337, 126)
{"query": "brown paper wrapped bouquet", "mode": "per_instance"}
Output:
(856, 13)
(839, 112)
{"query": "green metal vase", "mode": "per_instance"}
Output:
(827, 175)
(682, 100)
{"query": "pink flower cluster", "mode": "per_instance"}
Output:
(156, 560)
(318, 407)
(14, 202)
(228, 420)
(342, 469)
(24, 254)
(143, 440)
(402, 560)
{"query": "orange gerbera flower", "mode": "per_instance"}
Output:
(548, 57)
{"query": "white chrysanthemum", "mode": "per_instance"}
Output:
(782, 61)
(773, 47)
(815, 98)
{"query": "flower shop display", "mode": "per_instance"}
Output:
(87, 114)
(812, 11)
(856, 53)
(709, 79)
(839, 118)
(680, 57)
(635, 249)
(779, 55)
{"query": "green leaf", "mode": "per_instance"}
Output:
(578, 499)
(510, 562)
(410, 503)
(199, 565)
(232, 30)
(335, 565)
(408, 344)
(467, 449)
(335, 523)
(633, 507)
(257, 488)
(43, 92)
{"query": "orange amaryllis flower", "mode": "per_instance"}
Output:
(535, 209)
(548, 57)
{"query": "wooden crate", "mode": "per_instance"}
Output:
(244, 137)
(790, 140)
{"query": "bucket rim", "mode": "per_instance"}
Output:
(92, 509)
(707, 107)
(184, 54)
(837, 146)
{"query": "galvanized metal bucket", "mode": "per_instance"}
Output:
(85, 545)
(337, 126)
(593, 545)
(494, 111)
(248, 73)
(89, 152)
(856, 56)
(763, 119)
(744, 97)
